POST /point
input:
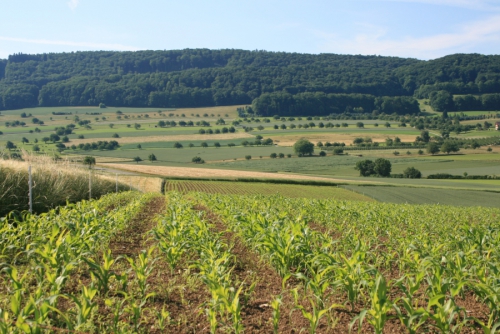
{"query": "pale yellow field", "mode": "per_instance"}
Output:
(213, 173)
(347, 138)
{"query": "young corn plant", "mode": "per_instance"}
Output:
(85, 305)
(414, 316)
(142, 267)
(315, 315)
(380, 306)
(102, 272)
(275, 305)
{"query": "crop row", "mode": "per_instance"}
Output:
(44, 256)
(432, 267)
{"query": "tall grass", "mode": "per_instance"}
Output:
(54, 183)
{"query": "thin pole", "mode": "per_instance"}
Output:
(90, 185)
(116, 182)
(30, 186)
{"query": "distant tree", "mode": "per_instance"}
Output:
(88, 160)
(217, 144)
(365, 167)
(152, 157)
(449, 146)
(273, 156)
(412, 173)
(382, 167)
(387, 124)
(288, 155)
(432, 148)
(115, 135)
(177, 145)
(102, 105)
(425, 136)
(10, 145)
(65, 139)
(53, 137)
(358, 141)
(139, 146)
(25, 140)
(191, 145)
(137, 159)
(322, 154)
(36, 148)
(303, 147)
(338, 151)
(45, 139)
(204, 144)
(111, 125)
(198, 160)
(360, 125)
(489, 149)
(281, 155)
(319, 144)
(137, 126)
(248, 157)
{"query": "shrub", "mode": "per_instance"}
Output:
(412, 173)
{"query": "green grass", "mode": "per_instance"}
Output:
(454, 197)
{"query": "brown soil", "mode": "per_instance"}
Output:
(249, 268)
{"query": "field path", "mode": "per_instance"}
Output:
(215, 173)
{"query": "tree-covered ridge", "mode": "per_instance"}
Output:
(203, 77)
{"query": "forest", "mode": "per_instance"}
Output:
(273, 82)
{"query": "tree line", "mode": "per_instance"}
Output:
(203, 77)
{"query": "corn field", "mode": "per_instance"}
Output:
(208, 263)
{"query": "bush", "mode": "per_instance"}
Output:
(248, 157)
(198, 160)
(273, 156)
(338, 151)
(412, 173)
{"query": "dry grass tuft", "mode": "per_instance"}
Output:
(54, 183)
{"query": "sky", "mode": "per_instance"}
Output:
(422, 29)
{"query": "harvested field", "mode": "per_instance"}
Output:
(212, 173)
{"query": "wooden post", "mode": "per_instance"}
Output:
(116, 182)
(30, 187)
(90, 185)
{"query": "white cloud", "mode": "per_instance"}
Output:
(73, 4)
(87, 45)
(375, 41)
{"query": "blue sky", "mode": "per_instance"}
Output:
(424, 29)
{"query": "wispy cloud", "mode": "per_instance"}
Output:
(73, 4)
(375, 41)
(470, 4)
(87, 45)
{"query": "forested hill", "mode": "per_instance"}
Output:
(276, 82)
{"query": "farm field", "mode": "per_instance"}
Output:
(421, 195)
(107, 125)
(211, 263)
(258, 188)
